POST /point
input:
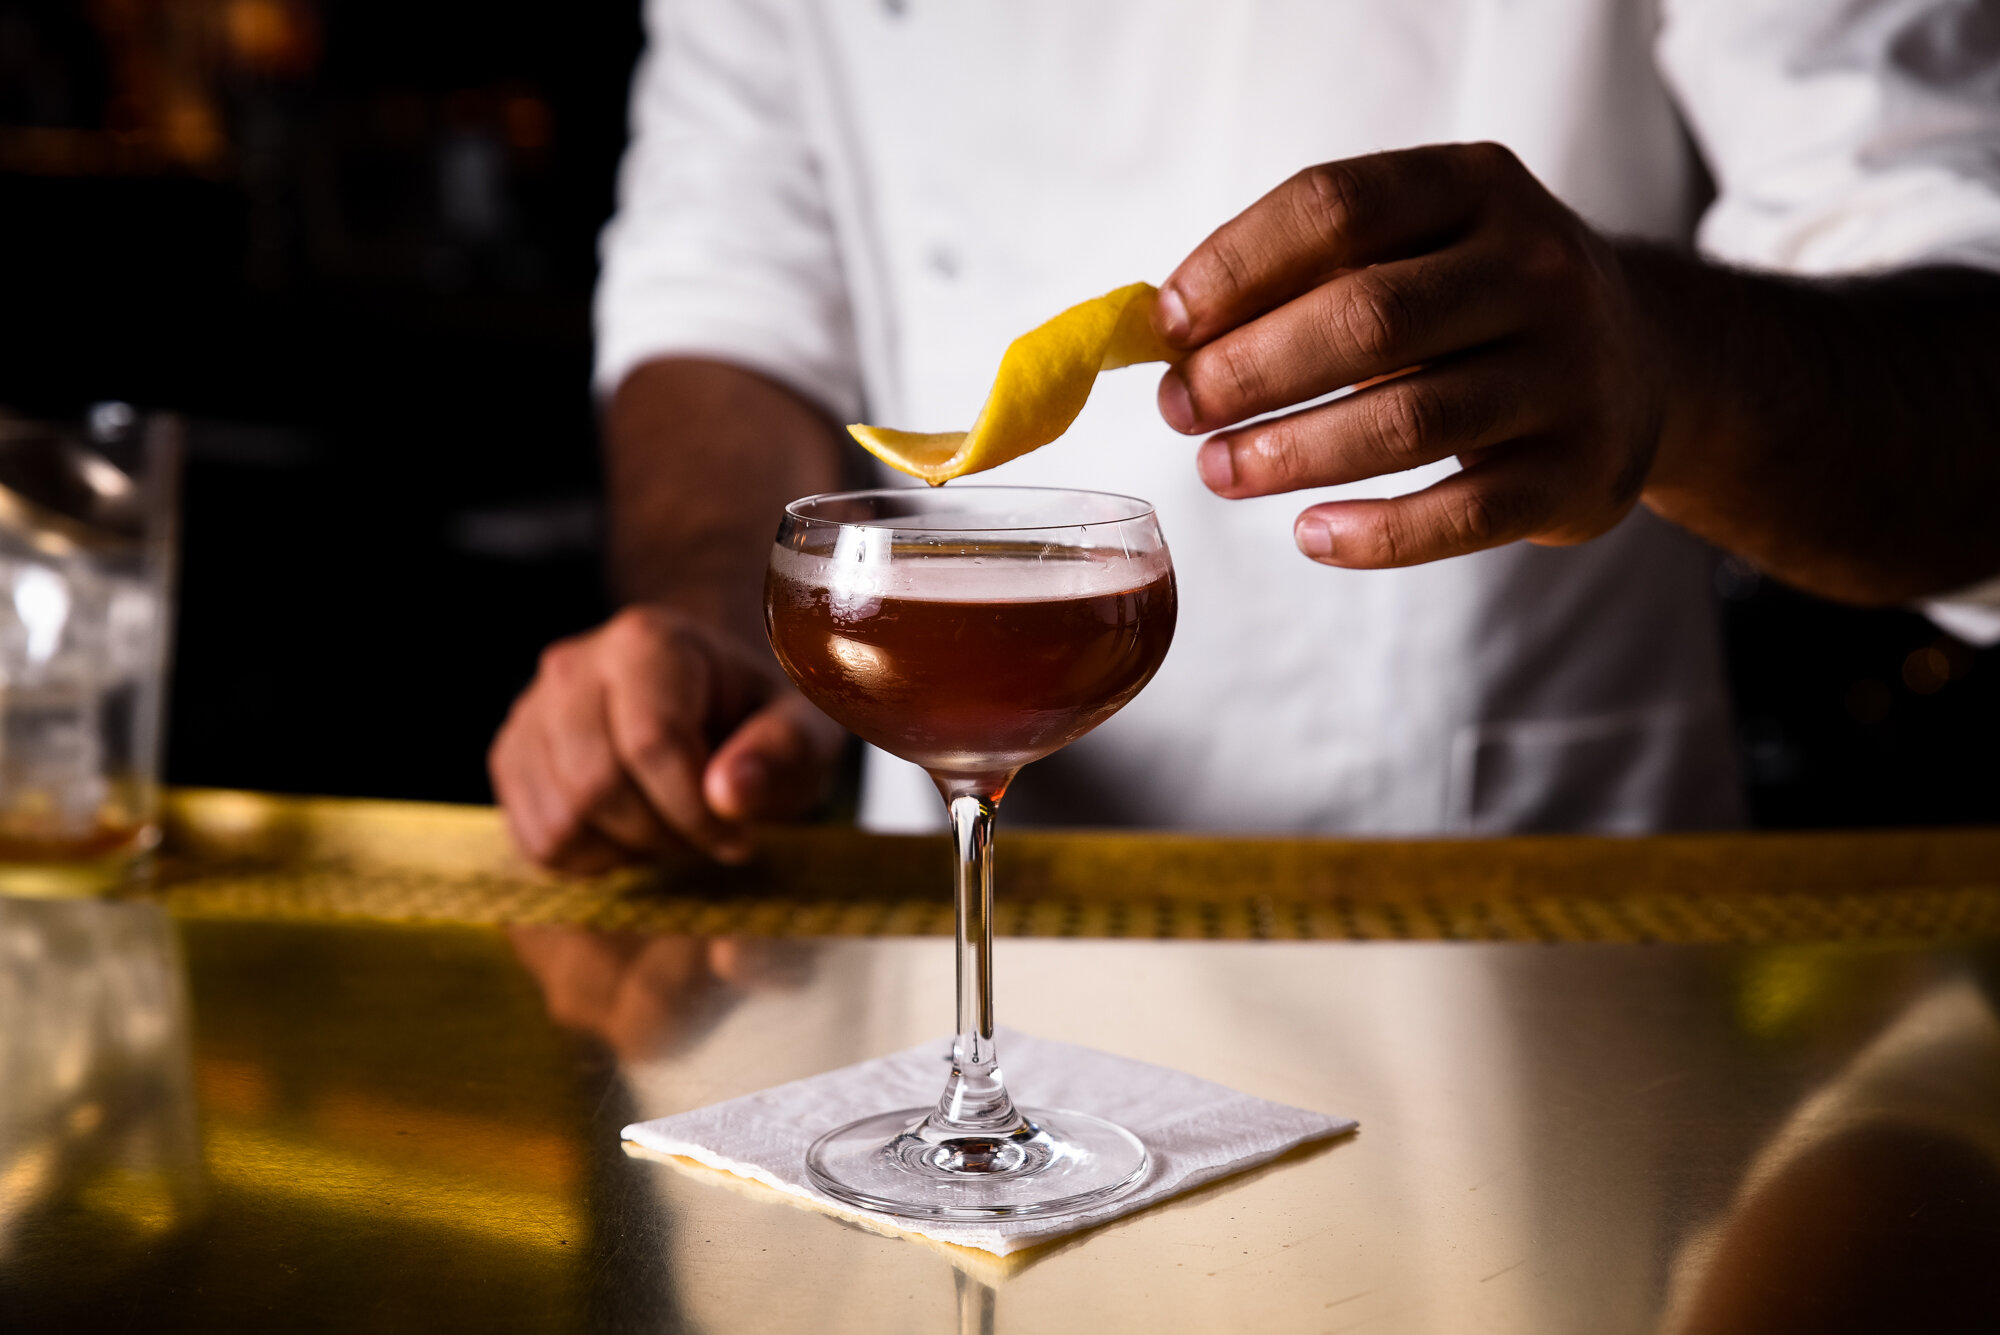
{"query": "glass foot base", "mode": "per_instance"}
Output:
(1058, 1162)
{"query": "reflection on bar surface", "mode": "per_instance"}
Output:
(97, 1108)
(407, 1126)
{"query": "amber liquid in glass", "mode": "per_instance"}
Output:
(971, 633)
(971, 688)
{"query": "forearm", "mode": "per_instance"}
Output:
(701, 458)
(1843, 435)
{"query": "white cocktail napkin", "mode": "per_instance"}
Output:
(1195, 1130)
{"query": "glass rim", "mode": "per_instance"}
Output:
(1140, 509)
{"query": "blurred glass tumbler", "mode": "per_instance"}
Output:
(87, 518)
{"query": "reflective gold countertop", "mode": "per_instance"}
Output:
(351, 1067)
(247, 855)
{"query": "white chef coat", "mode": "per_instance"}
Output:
(867, 201)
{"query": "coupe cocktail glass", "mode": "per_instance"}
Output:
(972, 630)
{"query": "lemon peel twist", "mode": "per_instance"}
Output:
(1044, 379)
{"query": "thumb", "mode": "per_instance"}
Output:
(775, 765)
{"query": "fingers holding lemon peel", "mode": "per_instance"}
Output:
(1044, 380)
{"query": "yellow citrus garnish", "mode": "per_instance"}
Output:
(1042, 384)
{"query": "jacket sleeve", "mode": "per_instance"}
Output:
(722, 245)
(1844, 137)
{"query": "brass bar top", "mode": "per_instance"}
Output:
(350, 1066)
(234, 854)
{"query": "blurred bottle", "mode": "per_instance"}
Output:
(87, 520)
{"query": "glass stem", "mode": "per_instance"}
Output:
(975, 1098)
(976, 1302)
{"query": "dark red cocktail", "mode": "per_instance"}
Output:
(975, 687)
(972, 630)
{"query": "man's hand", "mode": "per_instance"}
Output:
(664, 728)
(652, 733)
(1525, 356)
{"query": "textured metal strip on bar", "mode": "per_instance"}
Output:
(331, 892)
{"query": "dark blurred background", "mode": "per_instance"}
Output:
(354, 243)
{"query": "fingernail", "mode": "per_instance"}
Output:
(1172, 312)
(1175, 405)
(1315, 539)
(1216, 463)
